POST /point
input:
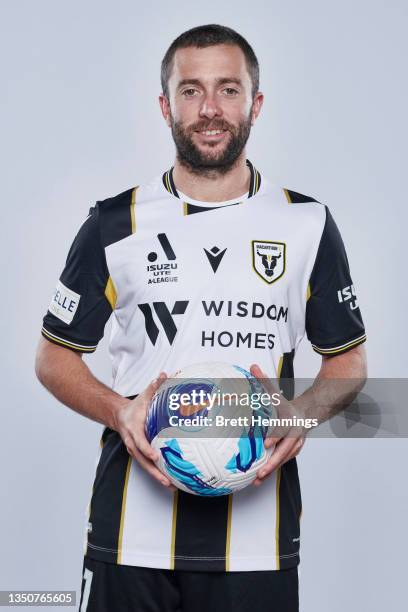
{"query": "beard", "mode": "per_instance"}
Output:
(215, 158)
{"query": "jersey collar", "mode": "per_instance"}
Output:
(254, 183)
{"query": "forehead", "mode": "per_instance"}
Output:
(209, 63)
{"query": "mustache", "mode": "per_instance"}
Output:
(201, 127)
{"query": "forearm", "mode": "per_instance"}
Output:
(70, 380)
(337, 384)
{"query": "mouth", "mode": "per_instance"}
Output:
(212, 135)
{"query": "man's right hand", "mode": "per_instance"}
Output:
(129, 422)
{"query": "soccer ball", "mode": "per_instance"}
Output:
(208, 425)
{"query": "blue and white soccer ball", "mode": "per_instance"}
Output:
(196, 454)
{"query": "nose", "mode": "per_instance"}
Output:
(209, 107)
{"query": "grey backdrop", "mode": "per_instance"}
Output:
(80, 122)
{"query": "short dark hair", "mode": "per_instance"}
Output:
(208, 36)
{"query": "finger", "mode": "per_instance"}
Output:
(283, 449)
(262, 377)
(144, 447)
(153, 386)
(297, 448)
(151, 469)
(283, 406)
(256, 371)
(293, 451)
(130, 446)
(269, 442)
(293, 454)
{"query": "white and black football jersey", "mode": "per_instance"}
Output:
(241, 282)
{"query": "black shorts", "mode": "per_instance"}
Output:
(107, 587)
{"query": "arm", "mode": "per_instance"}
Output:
(80, 307)
(68, 378)
(325, 399)
(64, 373)
(321, 401)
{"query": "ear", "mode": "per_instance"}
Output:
(256, 106)
(165, 108)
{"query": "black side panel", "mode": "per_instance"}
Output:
(106, 502)
(290, 507)
(201, 532)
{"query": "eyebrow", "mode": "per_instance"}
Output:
(219, 81)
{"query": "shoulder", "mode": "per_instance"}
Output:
(116, 216)
(294, 197)
(115, 202)
(296, 208)
(120, 214)
(290, 199)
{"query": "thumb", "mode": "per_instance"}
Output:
(154, 386)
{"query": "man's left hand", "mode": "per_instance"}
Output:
(291, 439)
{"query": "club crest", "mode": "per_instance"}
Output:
(269, 259)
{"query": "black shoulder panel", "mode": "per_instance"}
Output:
(116, 217)
(297, 198)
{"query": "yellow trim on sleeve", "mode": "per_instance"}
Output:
(77, 347)
(308, 292)
(341, 348)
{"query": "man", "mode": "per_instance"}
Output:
(207, 262)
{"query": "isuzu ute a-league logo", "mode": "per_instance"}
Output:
(269, 259)
(162, 272)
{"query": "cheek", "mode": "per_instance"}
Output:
(237, 110)
(183, 111)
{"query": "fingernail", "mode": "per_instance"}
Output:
(262, 474)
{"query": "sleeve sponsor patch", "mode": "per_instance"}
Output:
(64, 303)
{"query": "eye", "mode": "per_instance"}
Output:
(189, 93)
(231, 91)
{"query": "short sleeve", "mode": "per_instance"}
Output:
(82, 301)
(333, 318)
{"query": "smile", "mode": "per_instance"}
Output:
(212, 132)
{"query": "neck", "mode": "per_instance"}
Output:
(213, 186)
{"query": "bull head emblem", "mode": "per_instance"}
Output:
(269, 259)
(269, 262)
